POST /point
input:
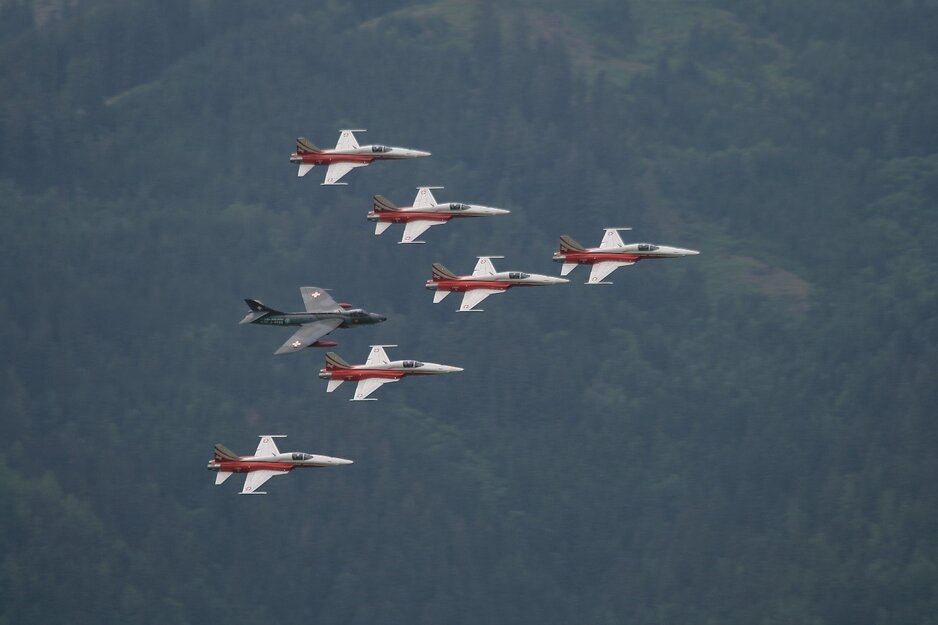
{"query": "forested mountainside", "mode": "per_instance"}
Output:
(744, 436)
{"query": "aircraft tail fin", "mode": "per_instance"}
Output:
(382, 204)
(442, 273)
(258, 310)
(305, 146)
(334, 361)
(223, 453)
(567, 244)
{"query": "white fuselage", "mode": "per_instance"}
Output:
(378, 151)
(455, 209)
(299, 459)
(650, 250)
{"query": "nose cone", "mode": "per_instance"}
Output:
(378, 318)
(450, 369)
(341, 461)
(497, 211)
(555, 280)
(408, 153)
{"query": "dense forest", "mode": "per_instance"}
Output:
(746, 436)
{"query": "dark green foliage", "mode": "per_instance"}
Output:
(745, 436)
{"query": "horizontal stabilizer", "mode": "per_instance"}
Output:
(304, 169)
(333, 384)
(381, 226)
(567, 268)
(221, 476)
(438, 296)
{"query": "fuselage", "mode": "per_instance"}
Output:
(362, 154)
(279, 462)
(350, 318)
(631, 253)
(392, 370)
(439, 212)
(500, 281)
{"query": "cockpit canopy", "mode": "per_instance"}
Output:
(380, 148)
(301, 456)
(357, 312)
(518, 275)
(412, 364)
(647, 247)
(458, 207)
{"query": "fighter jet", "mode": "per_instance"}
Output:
(376, 371)
(346, 156)
(483, 282)
(322, 316)
(611, 254)
(266, 462)
(423, 214)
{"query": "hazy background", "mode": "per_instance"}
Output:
(746, 436)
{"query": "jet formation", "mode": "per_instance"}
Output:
(483, 282)
(377, 371)
(322, 316)
(423, 214)
(611, 254)
(267, 462)
(346, 156)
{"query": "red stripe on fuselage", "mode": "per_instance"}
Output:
(246, 466)
(589, 258)
(321, 158)
(468, 285)
(362, 374)
(400, 218)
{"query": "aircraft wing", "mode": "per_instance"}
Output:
(318, 300)
(369, 385)
(603, 269)
(378, 356)
(473, 297)
(267, 447)
(256, 479)
(337, 170)
(424, 198)
(347, 140)
(308, 334)
(415, 228)
(484, 267)
(611, 239)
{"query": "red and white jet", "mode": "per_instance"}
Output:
(376, 371)
(611, 254)
(266, 462)
(346, 156)
(483, 282)
(425, 213)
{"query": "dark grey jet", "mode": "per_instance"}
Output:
(322, 316)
